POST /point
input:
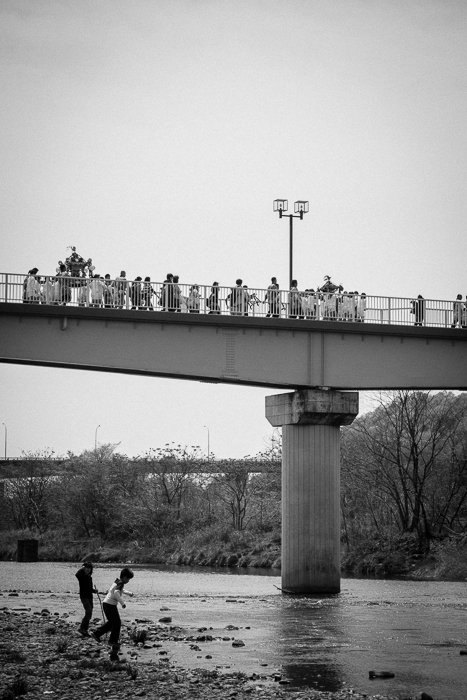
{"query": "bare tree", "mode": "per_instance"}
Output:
(401, 458)
(173, 469)
(28, 492)
(242, 485)
(89, 493)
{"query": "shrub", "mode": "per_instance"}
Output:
(138, 635)
(62, 645)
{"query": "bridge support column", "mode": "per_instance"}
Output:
(310, 421)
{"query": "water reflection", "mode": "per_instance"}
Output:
(319, 676)
(311, 633)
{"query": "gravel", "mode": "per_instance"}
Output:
(42, 655)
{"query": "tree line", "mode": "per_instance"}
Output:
(403, 485)
(162, 495)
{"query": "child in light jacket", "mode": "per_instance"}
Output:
(110, 605)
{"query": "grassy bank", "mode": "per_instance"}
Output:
(446, 561)
(401, 557)
(203, 548)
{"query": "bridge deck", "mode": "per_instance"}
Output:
(266, 352)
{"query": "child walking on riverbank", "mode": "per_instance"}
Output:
(86, 589)
(110, 605)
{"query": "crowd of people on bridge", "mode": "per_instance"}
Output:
(328, 302)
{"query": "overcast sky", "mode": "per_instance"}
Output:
(154, 136)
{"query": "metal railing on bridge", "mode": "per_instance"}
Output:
(160, 297)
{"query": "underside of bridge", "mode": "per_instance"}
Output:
(314, 359)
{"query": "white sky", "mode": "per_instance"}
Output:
(154, 136)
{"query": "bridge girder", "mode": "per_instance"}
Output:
(265, 352)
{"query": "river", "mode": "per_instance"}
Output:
(410, 628)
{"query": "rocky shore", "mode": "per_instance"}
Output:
(42, 655)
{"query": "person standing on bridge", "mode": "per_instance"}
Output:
(213, 300)
(108, 292)
(295, 301)
(346, 307)
(64, 285)
(418, 308)
(120, 287)
(47, 291)
(193, 299)
(273, 299)
(136, 294)
(247, 300)
(166, 292)
(236, 299)
(32, 288)
(177, 296)
(148, 293)
(309, 303)
(97, 290)
(83, 293)
(457, 308)
(360, 306)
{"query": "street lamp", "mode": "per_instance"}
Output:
(95, 437)
(300, 207)
(6, 437)
(205, 426)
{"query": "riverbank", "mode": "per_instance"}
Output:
(243, 549)
(41, 654)
(447, 560)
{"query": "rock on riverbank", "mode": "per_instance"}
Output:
(42, 655)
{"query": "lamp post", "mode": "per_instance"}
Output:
(205, 426)
(95, 437)
(6, 438)
(300, 208)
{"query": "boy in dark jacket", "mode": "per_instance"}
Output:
(86, 589)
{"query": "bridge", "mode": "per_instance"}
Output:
(324, 346)
(324, 358)
(21, 467)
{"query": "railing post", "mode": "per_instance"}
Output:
(6, 287)
(389, 310)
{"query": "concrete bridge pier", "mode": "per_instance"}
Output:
(310, 421)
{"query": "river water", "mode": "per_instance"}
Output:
(412, 629)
